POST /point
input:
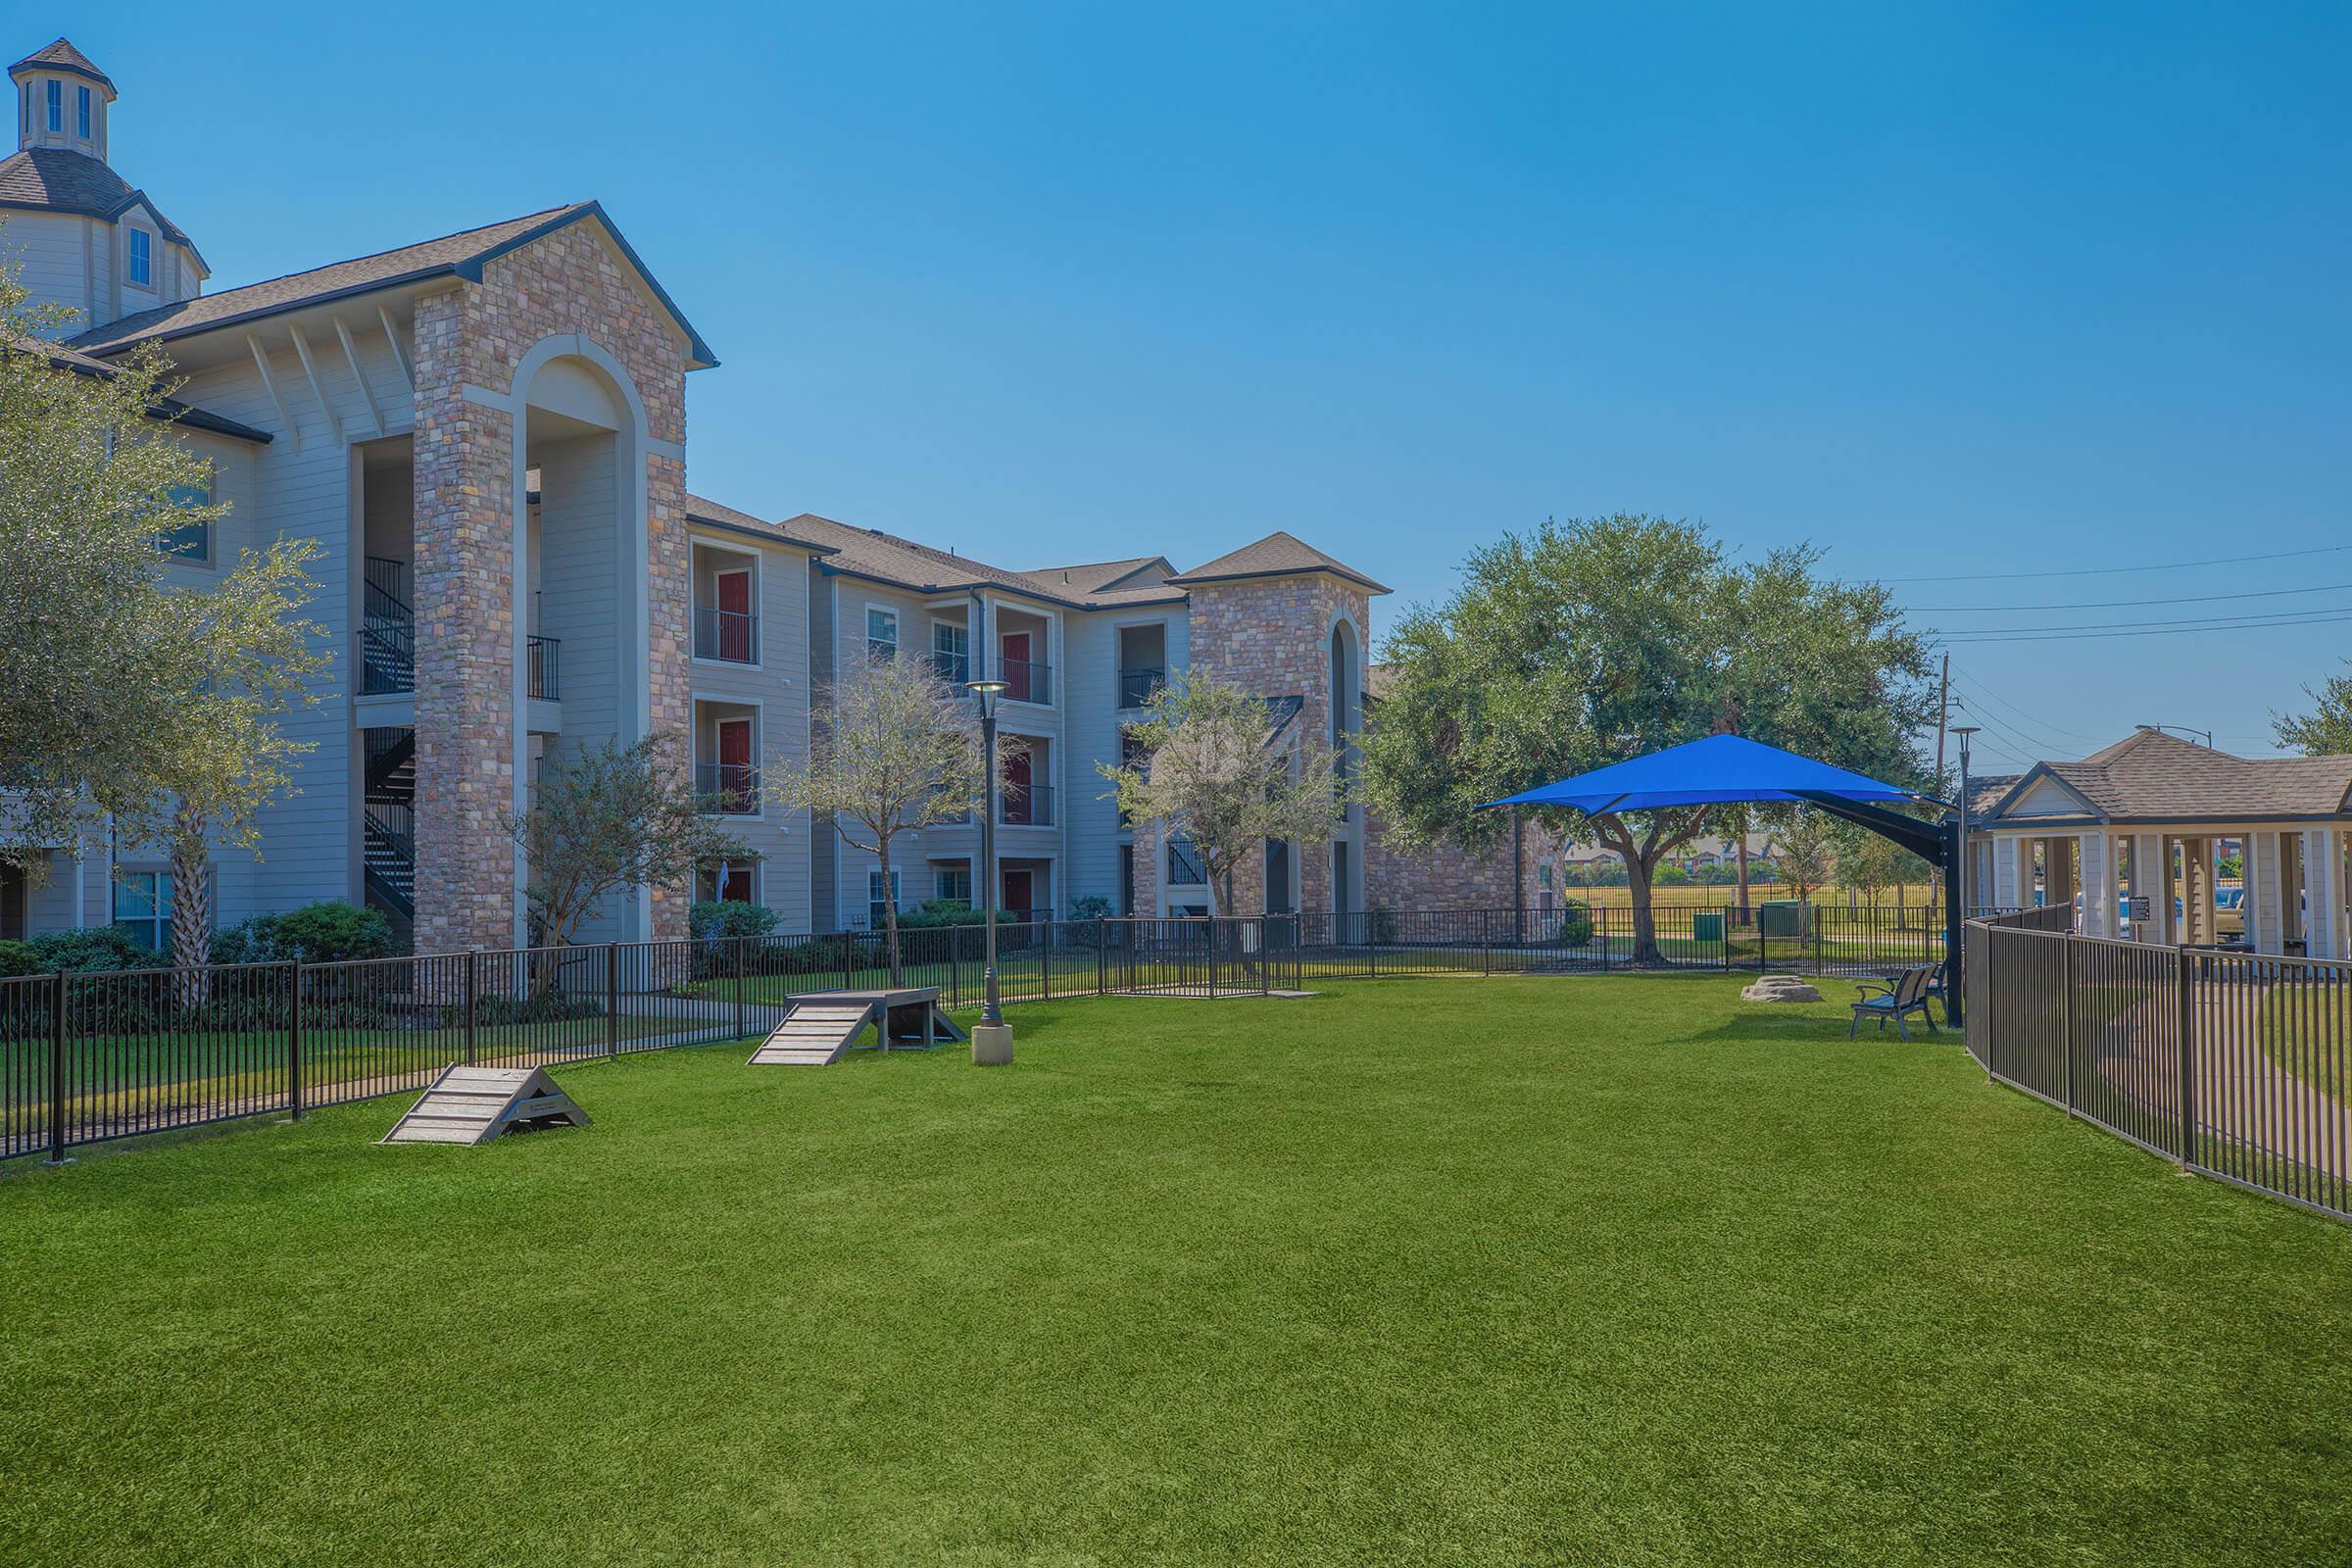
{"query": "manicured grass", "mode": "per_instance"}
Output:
(1584, 1270)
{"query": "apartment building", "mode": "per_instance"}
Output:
(485, 433)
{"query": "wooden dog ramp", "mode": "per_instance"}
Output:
(822, 1026)
(474, 1105)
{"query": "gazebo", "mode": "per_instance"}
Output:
(2137, 828)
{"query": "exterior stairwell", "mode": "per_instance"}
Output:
(387, 824)
(387, 629)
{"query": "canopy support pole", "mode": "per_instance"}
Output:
(1937, 844)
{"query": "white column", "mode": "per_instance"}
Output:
(2097, 850)
(2008, 874)
(2324, 891)
(2151, 880)
(2265, 931)
(1979, 872)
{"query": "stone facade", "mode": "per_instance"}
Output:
(1271, 636)
(471, 341)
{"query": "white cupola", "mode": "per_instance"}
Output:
(62, 100)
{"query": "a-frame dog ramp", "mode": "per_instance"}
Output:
(474, 1105)
(820, 1027)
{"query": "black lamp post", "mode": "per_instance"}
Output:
(1960, 879)
(992, 1011)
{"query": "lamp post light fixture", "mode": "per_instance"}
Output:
(1960, 872)
(992, 1037)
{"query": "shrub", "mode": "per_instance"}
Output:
(1670, 875)
(19, 957)
(91, 951)
(932, 914)
(1094, 907)
(726, 918)
(1576, 924)
(548, 1006)
(329, 931)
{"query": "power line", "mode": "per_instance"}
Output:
(2109, 572)
(2161, 628)
(1982, 690)
(2122, 603)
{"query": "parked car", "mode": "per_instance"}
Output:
(2229, 911)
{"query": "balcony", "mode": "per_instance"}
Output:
(543, 684)
(1026, 805)
(953, 668)
(727, 636)
(728, 789)
(1136, 686)
(1026, 681)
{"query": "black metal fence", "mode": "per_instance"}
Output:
(88, 1058)
(2233, 1064)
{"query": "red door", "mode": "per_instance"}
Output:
(1016, 646)
(1017, 892)
(1017, 806)
(735, 762)
(735, 616)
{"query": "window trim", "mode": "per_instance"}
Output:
(82, 113)
(162, 908)
(938, 875)
(871, 641)
(138, 248)
(53, 100)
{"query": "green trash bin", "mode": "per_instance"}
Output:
(1781, 917)
(1707, 926)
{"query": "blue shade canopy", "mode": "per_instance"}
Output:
(1716, 771)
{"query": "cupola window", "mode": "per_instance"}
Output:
(142, 258)
(56, 99)
(82, 113)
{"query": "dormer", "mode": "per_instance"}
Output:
(62, 101)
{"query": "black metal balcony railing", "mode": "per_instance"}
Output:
(728, 635)
(1136, 686)
(953, 668)
(729, 789)
(387, 645)
(543, 669)
(1026, 805)
(1026, 681)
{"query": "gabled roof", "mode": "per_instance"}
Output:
(59, 179)
(2152, 777)
(1097, 577)
(168, 409)
(1277, 555)
(1986, 793)
(461, 254)
(63, 56)
(888, 557)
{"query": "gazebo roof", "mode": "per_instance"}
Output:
(2152, 777)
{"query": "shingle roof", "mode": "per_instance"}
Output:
(1099, 575)
(63, 56)
(58, 180)
(1987, 791)
(702, 509)
(463, 255)
(871, 553)
(2149, 777)
(171, 409)
(1277, 555)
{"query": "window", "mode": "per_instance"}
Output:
(881, 633)
(143, 908)
(56, 91)
(876, 908)
(142, 258)
(954, 883)
(190, 541)
(1184, 864)
(82, 113)
(952, 651)
(727, 882)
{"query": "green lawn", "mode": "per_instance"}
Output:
(1582, 1270)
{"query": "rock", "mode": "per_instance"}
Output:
(1781, 988)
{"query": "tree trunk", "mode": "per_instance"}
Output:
(1646, 924)
(1741, 843)
(890, 921)
(191, 912)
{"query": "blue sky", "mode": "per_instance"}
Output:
(1943, 289)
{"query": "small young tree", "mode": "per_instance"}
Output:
(894, 749)
(1806, 846)
(605, 818)
(1208, 765)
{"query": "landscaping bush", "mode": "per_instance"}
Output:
(329, 931)
(1576, 924)
(724, 919)
(548, 1006)
(91, 951)
(19, 957)
(1094, 907)
(932, 914)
